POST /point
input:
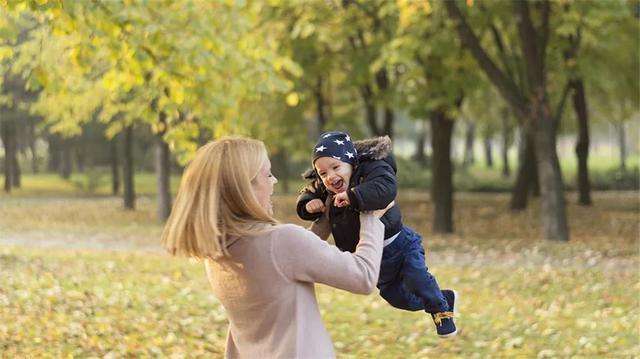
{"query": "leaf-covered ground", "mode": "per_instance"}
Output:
(80, 277)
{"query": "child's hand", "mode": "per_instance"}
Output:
(315, 206)
(341, 199)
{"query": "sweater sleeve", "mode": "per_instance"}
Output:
(302, 256)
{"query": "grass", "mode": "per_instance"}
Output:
(51, 184)
(81, 277)
(87, 303)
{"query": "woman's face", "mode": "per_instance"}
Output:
(263, 186)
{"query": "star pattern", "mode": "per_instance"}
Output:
(338, 145)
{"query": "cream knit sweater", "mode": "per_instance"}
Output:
(267, 288)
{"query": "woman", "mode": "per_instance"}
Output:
(263, 272)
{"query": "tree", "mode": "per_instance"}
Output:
(435, 78)
(369, 28)
(469, 157)
(610, 80)
(507, 139)
(118, 60)
(530, 101)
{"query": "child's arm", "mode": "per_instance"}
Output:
(377, 190)
(321, 227)
(309, 193)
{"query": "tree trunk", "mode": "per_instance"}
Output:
(369, 110)
(281, 165)
(442, 187)
(163, 177)
(534, 178)
(320, 105)
(554, 217)
(506, 143)
(16, 174)
(389, 118)
(526, 173)
(115, 166)
(163, 170)
(54, 160)
(80, 155)
(488, 151)
(382, 81)
(8, 134)
(421, 141)
(65, 169)
(582, 145)
(469, 139)
(127, 170)
(32, 147)
(622, 146)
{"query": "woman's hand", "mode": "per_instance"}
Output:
(378, 213)
(314, 206)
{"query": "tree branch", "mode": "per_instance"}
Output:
(560, 107)
(505, 85)
(544, 29)
(501, 50)
(528, 41)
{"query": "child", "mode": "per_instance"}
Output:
(348, 179)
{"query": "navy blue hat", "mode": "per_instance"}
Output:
(335, 144)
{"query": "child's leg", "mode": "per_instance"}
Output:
(398, 296)
(390, 282)
(418, 280)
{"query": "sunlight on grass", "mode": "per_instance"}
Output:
(94, 303)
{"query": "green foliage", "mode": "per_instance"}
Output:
(90, 181)
(132, 63)
(262, 68)
(616, 179)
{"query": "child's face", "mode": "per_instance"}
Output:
(334, 173)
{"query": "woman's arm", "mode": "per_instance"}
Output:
(302, 256)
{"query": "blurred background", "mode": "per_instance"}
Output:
(515, 125)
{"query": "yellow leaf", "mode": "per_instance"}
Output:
(293, 99)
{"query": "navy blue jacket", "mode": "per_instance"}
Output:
(372, 186)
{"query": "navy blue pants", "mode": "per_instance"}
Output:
(404, 280)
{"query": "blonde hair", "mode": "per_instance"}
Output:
(215, 202)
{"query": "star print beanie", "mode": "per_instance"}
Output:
(335, 144)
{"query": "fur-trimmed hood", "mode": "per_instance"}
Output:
(375, 148)
(370, 149)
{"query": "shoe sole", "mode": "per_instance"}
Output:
(455, 311)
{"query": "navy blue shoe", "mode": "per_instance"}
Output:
(445, 325)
